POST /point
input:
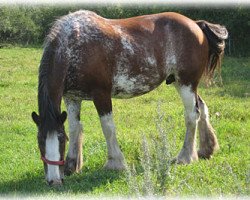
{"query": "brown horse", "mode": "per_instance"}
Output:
(88, 57)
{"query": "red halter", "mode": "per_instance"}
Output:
(52, 162)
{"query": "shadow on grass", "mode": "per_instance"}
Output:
(82, 183)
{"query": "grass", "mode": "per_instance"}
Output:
(141, 124)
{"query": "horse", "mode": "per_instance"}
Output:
(88, 57)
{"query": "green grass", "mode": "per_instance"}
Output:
(227, 173)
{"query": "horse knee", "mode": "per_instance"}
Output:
(193, 115)
(75, 127)
(189, 99)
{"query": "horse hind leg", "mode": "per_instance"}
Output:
(188, 152)
(208, 139)
(74, 156)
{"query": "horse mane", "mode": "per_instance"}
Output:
(216, 36)
(48, 112)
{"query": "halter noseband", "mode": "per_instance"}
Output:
(45, 160)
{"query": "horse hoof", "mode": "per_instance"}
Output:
(184, 160)
(70, 166)
(173, 161)
(115, 165)
(178, 161)
(204, 155)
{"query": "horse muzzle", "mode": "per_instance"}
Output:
(57, 182)
(54, 171)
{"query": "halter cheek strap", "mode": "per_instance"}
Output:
(45, 160)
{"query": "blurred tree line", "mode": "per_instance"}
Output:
(28, 25)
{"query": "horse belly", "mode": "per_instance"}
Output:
(136, 71)
(125, 86)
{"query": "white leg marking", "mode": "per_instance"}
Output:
(208, 139)
(52, 153)
(74, 156)
(115, 156)
(204, 111)
(75, 127)
(188, 152)
(203, 125)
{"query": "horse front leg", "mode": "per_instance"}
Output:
(188, 153)
(103, 104)
(74, 156)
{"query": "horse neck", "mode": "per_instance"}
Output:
(49, 111)
(49, 99)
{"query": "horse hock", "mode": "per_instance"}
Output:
(208, 139)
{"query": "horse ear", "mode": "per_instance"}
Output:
(63, 116)
(35, 118)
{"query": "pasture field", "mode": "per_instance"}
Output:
(150, 131)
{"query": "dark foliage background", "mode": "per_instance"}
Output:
(28, 25)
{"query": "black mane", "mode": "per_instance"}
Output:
(48, 111)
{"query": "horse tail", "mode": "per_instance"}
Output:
(216, 35)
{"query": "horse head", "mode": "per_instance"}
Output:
(52, 144)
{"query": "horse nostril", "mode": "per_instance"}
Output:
(50, 183)
(55, 182)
